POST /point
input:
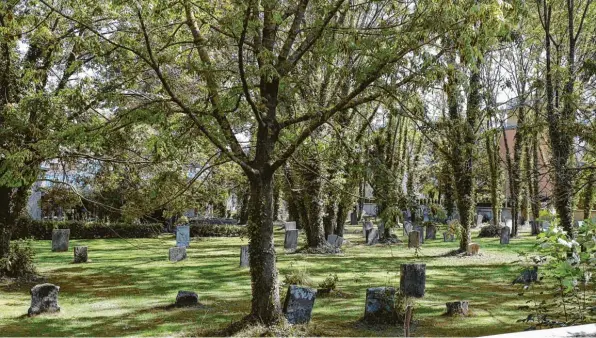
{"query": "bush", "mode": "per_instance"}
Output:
(217, 230)
(490, 231)
(19, 262)
(297, 277)
(330, 283)
(42, 230)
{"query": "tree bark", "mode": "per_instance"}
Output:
(312, 196)
(589, 194)
(12, 204)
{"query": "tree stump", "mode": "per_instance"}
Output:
(459, 308)
(412, 280)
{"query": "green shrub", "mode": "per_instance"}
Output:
(42, 230)
(19, 262)
(297, 277)
(217, 230)
(330, 283)
(490, 231)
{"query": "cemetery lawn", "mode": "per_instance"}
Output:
(128, 285)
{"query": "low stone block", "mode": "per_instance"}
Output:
(335, 240)
(80, 254)
(44, 298)
(380, 305)
(459, 308)
(505, 232)
(373, 237)
(412, 280)
(187, 298)
(177, 254)
(291, 240)
(414, 239)
(60, 238)
(244, 256)
(299, 303)
(473, 249)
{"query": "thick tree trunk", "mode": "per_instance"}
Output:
(535, 191)
(266, 306)
(243, 215)
(313, 203)
(12, 204)
(330, 218)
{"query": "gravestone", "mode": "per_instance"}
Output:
(353, 218)
(244, 256)
(473, 249)
(420, 230)
(44, 298)
(527, 276)
(373, 237)
(183, 236)
(431, 232)
(291, 240)
(299, 303)
(177, 254)
(448, 237)
(290, 226)
(380, 305)
(187, 298)
(335, 240)
(505, 232)
(414, 239)
(479, 219)
(459, 308)
(412, 280)
(60, 239)
(80, 254)
(509, 223)
(407, 228)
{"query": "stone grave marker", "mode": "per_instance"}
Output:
(177, 254)
(479, 219)
(299, 303)
(335, 240)
(60, 239)
(373, 237)
(353, 218)
(412, 280)
(414, 239)
(459, 308)
(473, 249)
(291, 240)
(448, 237)
(407, 228)
(290, 226)
(44, 298)
(244, 256)
(80, 254)
(431, 232)
(505, 232)
(187, 298)
(420, 230)
(380, 305)
(183, 236)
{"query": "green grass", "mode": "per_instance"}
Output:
(127, 286)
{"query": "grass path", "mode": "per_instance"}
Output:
(128, 284)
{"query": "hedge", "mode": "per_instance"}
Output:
(27, 228)
(217, 230)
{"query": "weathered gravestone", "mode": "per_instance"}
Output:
(353, 218)
(458, 308)
(44, 298)
(448, 237)
(407, 228)
(177, 254)
(413, 239)
(473, 249)
(291, 240)
(183, 236)
(60, 239)
(244, 256)
(431, 232)
(412, 280)
(373, 237)
(505, 232)
(527, 276)
(420, 230)
(380, 305)
(335, 240)
(299, 303)
(290, 226)
(80, 254)
(187, 298)
(479, 219)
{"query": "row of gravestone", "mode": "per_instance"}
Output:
(61, 241)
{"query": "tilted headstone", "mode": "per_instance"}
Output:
(44, 298)
(479, 219)
(353, 218)
(473, 249)
(183, 236)
(187, 298)
(290, 226)
(412, 280)
(60, 239)
(80, 254)
(431, 232)
(420, 230)
(505, 232)
(460, 308)
(291, 240)
(244, 256)
(380, 305)
(373, 237)
(299, 303)
(414, 239)
(177, 254)
(448, 237)
(335, 241)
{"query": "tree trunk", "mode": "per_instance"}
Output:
(243, 216)
(12, 204)
(266, 306)
(313, 203)
(330, 218)
(589, 194)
